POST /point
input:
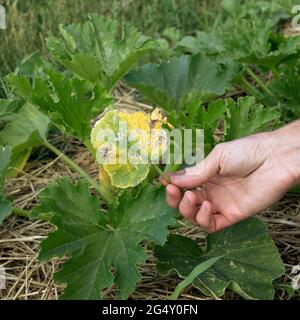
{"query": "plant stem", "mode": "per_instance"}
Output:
(90, 147)
(249, 88)
(276, 74)
(161, 173)
(21, 212)
(259, 82)
(73, 165)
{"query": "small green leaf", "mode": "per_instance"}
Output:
(27, 129)
(103, 249)
(198, 116)
(8, 108)
(246, 117)
(174, 84)
(287, 89)
(249, 264)
(205, 42)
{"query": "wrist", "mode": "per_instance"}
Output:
(285, 147)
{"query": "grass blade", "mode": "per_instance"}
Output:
(191, 277)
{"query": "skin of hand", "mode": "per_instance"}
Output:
(237, 179)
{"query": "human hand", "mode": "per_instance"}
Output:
(237, 179)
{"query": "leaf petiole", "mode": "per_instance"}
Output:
(21, 212)
(73, 165)
(247, 86)
(161, 173)
(259, 82)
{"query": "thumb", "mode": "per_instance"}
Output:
(195, 176)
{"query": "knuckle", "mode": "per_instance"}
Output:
(219, 148)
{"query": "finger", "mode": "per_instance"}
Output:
(188, 206)
(173, 196)
(201, 173)
(162, 179)
(200, 196)
(209, 221)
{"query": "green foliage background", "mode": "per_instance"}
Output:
(30, 22)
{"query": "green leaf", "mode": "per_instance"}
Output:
(198, 116)
(250, 41)
(32, 64)
(27, 129)
(200, 268)
(205, 42)
(250, 263)
(287, 89)
(247, 117)
(103, 249)
(174, 84)
(275, 10)
(99, 50)
(8, 107)
(5, 206)
(5, 154)
(70, 103)
(244, 40)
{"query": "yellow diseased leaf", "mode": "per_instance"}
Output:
(104, 177)
(126, 142)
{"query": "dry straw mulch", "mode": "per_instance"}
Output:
(27, 278)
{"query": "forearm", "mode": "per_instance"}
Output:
(286, 146)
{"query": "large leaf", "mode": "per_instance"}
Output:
(104, 249)
(27, 129)
(249, 265)
(70, 103)
(5, 206)
(246, 117)
(99, 50)
(172, 85)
